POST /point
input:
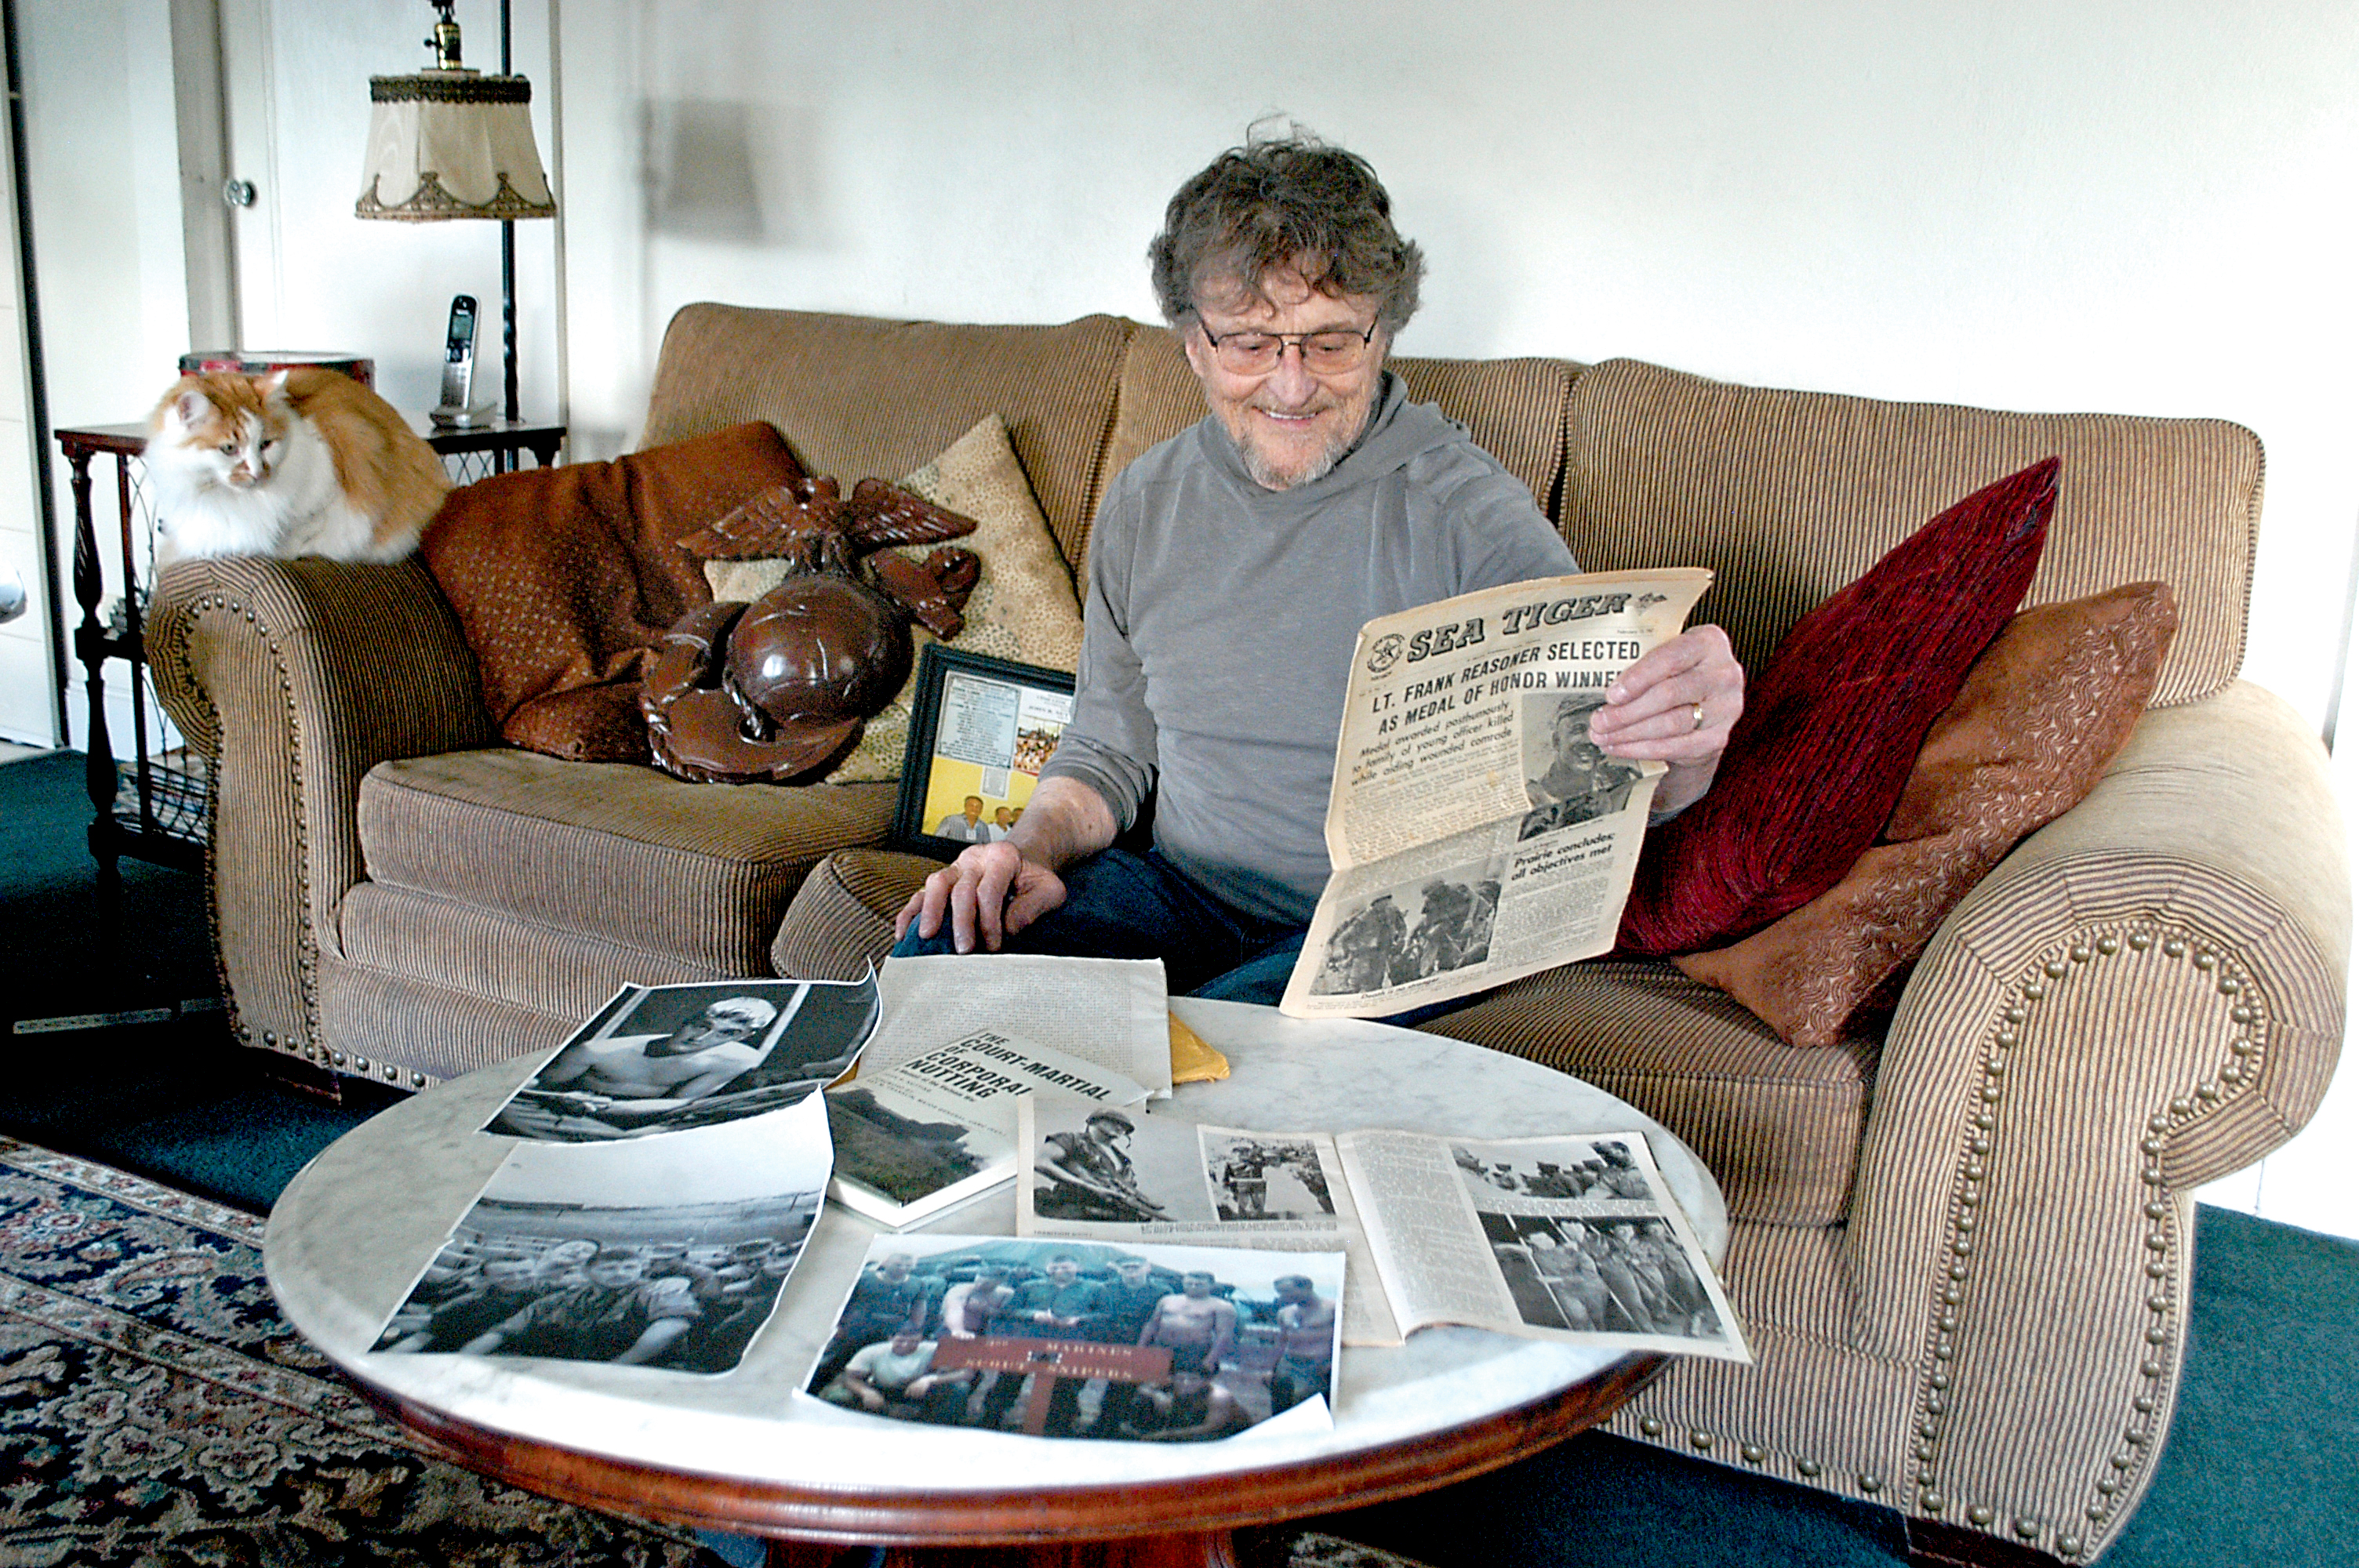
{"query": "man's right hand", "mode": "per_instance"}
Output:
(989, 893)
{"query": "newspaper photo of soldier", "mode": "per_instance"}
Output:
(1408, 933)
(1569, 780)
(1085, 1172)
(1135, 1342)
(667, 1058)
(1265, 1178)
(670, 1254)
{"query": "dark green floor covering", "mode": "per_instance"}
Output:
(2261, 1469)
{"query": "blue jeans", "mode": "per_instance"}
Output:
(1123, 905)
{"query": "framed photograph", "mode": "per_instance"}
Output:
(980, 729)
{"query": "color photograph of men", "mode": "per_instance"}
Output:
(965, 825)
(685, 1056)
(1313, 497)
(1570, 780)
(1132, 1343)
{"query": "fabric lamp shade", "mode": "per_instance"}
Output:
(452, 144)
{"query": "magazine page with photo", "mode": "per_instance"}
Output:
(1143, 1343)
(660, 1059)
(1114, 1173)
(665, 1253)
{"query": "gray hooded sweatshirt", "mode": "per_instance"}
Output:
(1221, 619)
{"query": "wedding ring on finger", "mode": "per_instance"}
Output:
(1697, 708)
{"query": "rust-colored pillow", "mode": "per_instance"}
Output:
(2040, 715)
(565, 579)
(1832, 727)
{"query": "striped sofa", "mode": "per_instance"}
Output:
(1963, 1249)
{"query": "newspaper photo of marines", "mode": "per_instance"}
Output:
(1265, 1178)
(1408, 933)
(1142, 1343)
(680, 1288)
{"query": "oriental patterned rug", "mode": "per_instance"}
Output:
(156, 1410)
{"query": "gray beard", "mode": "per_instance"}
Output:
(1337, 450)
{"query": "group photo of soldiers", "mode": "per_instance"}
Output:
(1404, 934)
(672, 1058)
(1605, 1276)
(1157, 1343)
(1265, 1178)
(1607, 1171)
(680, 1289)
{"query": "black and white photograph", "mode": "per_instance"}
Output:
(668, 1253)
(1601, 1170)
(1567, 780)
(670, 1058)
(1407, 934)
(1600, 1276)
(1141, 1343)
(1266, 1177)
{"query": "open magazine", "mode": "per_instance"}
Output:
(1570, 1237)
(1476, 835)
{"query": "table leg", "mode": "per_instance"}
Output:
(1186, 1549)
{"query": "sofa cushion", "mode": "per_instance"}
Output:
(565, 579)
(699, 872)
(1513, 408)
(1786, 496)
(1022, 607)
(859, 397)
(2042, 712)
(1780, 1129)
(1831, 729)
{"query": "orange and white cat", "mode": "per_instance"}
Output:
(297, 462)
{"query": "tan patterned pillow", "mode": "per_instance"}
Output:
(1022, 609)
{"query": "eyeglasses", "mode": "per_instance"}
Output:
(1329, 352)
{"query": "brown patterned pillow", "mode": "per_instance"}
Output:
(2040, 714)
(1022, 609)
(564, 580)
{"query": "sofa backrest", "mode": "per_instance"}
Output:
(1787, 496)
(858, 397)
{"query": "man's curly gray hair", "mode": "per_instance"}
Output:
(1285, 201)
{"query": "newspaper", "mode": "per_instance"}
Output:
(1475, 832)
(1572, 1237)
(1113, 1013)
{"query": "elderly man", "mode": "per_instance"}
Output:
(1229, 573)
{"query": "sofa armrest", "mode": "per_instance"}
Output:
(841, 920)
(298, 677)
(2146, 994)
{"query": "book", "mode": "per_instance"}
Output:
(940, 1128)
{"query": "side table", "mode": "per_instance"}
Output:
(155, 810)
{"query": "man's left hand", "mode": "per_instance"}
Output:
(1676, 705)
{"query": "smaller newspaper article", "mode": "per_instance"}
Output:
(1572, 1237)
(940, 1128)
(1476, 834)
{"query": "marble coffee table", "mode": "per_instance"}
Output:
(742, 1451)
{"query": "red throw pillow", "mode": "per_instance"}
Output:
(566, 578)
(2040, 717)
(1832, 729)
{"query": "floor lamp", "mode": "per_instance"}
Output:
(453, 143)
